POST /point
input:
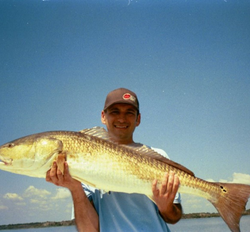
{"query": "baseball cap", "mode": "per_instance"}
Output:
(121, 95)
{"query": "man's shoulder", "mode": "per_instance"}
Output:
(160, 151)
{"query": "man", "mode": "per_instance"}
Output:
(96, 210)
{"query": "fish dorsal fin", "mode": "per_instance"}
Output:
(101, 133)
(98, 132)
(143, 149)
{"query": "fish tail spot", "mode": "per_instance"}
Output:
(223, 189)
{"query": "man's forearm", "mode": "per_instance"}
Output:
(173, 215)
(86, 217)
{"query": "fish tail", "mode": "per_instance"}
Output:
(231, 202)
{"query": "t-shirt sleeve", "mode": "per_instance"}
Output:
(161, 152)
(89, 191)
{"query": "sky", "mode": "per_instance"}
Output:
(187, 60)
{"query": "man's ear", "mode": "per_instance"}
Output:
(138, 120)
(103, 118)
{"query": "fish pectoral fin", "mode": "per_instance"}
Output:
(84, 181)
(61, 158)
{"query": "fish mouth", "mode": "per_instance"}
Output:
(2, 162)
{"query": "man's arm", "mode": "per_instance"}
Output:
(86, 217)
(164, 198)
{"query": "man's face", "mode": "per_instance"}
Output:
(121, 120)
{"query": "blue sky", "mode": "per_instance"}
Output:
(188, 61)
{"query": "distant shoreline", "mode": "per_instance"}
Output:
(72, 222)
(207, 215)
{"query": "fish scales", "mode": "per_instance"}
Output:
(145, 168)
(101, 163)
(120, 160)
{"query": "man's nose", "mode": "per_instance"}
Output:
(122, 117)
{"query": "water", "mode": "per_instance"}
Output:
(47, 229)
(185, 225)
(208, 224)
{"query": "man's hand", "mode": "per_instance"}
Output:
(85, 215)
(55, 176)
(164, 197)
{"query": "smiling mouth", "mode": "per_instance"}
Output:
(121, 127)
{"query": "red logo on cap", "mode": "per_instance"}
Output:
(128, 96)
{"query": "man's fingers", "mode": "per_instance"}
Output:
(55, 176)
(170, 182)
(53, 170)
(169, 186)
(51, 175)
(176, 184)
(155, 190)
(66, 168)
(59, 176)
(48, 176)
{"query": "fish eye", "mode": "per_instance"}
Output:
(10, 145)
